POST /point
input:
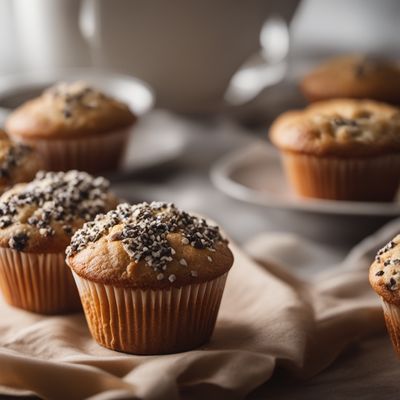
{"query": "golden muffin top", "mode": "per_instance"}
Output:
(18, 163)
(341, 127)
(42, 215)
(354, 76)
(146, 245)
(69, 110)
(384, 273)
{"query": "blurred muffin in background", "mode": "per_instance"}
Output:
(37, 220)
(341, 149)
(354, 76)
(74, 126)
(18, 163)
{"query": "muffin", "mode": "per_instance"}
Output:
(354, 76)
(74, 126)
(3, 135)
(384, 276)
(341, 150)
(150, 277)
(37, 221)
(18, 163)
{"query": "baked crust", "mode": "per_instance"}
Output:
(69, 111)
(18, 163)
(106, 258)
(54, 235)
(108, 263)
(354, 76)
(384, 273)
(341, 128)
(38, 243)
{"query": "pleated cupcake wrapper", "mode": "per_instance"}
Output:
(151, 321)
(365, 179)
(97, 153)
(40, 283)
(392, 319)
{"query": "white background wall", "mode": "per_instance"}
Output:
(38, 34)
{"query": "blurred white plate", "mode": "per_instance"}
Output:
(254, 175)
(158, 138)
(155, 139)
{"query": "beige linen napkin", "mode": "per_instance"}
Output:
(268, 319)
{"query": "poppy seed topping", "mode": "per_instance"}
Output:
(58, 197)
(144, 230)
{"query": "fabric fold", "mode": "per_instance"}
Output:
(269, 319)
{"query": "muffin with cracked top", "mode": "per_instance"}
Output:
(341, 149)
(150, 277)
(18, 163)
(354, 76)
(384, 277)
(74, 126)
(37, 221)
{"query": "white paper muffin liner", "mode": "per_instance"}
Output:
(149, 321)
(392, 319)
(364, 179)
(96, 153)
(40, 283)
